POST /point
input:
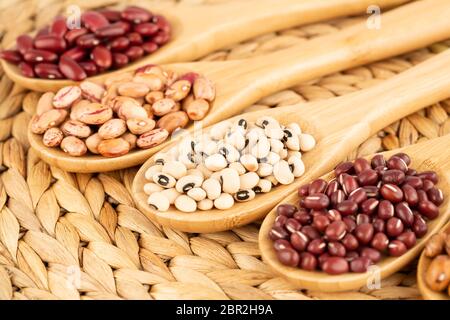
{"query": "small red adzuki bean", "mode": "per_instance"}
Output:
(436, 196)
(288, 257)
(308, 261)
(317, 186)
(335, 265)
(408, 238)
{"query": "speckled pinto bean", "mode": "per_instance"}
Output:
(371, 209)
(105, 40)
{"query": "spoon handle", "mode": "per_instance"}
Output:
(434, 154)
(409, 27)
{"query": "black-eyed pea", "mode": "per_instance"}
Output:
(92, 143)
(261, 149)
(276, 145)
(185, 203)
(272, 179)
(307, 142)
(229, 152)
(178, 90)
(152, 138)
(165, 106)
(273, 158)
(73, 146)
(112, 129)
(230, 181)
(266, 121)
(162, 157)
(249, 162)
(297, 166)
(282, 172)
(294, 154)
(66, 96)
(133, 89)
(224, 201)
(204, 89)
(240, 126)
(76, 128)
(265, 169)
(295, 128)
(47, 120)
(216, 176)
(244, 195)
(164, 180)
(171, 194)
(187, 159)
(113, 147)
(173, 121)
(175, 168)
(195, 172)
(158, 201)
(292, 141)
(92, 91)
(205, 171)
(236, 139)
(215, 162)
(283, 153)
(248, 180)
(274, 132)
(45, 103)
(186, 183)
(152, 81)
(205, 204)
(219, 130)
(151, 187)
(263, 186)
(140, 126)
(213, 188)
(198, 194)
(238, 167)
(130, 138)
(52, 137)
(150, 172)
(207, 147)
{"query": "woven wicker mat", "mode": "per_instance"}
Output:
(72, 236)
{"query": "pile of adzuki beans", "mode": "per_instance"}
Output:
(107, 39)
(347, 224)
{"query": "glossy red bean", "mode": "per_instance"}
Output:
(414, 181)
(333, 215)
(113, 30)
(316, 201)
(76, 53)
(428, 209)
(303, 216)
(408, 238)
(349, 223)
(422, 195)
(71, 69)
(102, 57)
(149, 47)
(336, 249)
(348, 182)
(347, 207)
(288, 257)
(397, 248)
(321, 259)
(317, 247)
(337, 197)
(162, 23)
(310, 232)
(110, 15)
(350, 242)
(393, 176)
(391, 192)
(299, 240)
(430, 175)
(24, 43)
(119, 43)
(89, 67)
(280, 221)
(410, 194)
(351, 255)
(427, 185)
(136, 14)
(59, 27)
(398, 163)
(369, 206)
(292, 225)
(48, 71)
(404, 213)
(135, 38)
(26, 69)
(371, 191)
(161, 38)
(287, 210)
(362, 218)
(361, 164)
(317, 186)
(278, 233)
(378, 225)
(377, 161)
(36, 56)
(364, 233)
(360, 265)
(134, 53)
(344, 167)
(320, 222)
(43, 31)
(394, 227)
(120, 59)
(87, 41)
(335, 265)
(146, 29)
(72, 35)
(336, 231)
(404, 157)
(368, 177)
(419, 227)
(436, 196)
(12, 56)
(358, 196)
(371, 254)
(332, 186)
(281, 244)
(308, 261)
(379, 241)
(94, 20)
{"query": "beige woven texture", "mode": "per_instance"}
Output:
(79, 236)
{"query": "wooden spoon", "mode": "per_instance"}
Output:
(339, 125)
(422, 267)
(241, 83)
(200, 29)
(430, 155)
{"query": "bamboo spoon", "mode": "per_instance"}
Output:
(198, 30)
(339, 126)
(241, 83)
(422, 267)
(430, 155)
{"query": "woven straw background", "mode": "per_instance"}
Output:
(79, 236)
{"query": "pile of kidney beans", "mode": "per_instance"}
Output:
(106, 39)
(347, 224)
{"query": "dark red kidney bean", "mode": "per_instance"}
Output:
(278, 233)
(333, 186)
(320, 222)
(362, 218)
(369, 206)
(350, 242)
(436, 196)
(299, 240)
(404, 213)
(379, 241)
(72, 35)
(429, 175)
(310, 232)
(292, 225)
(26, 69)
(87, 41)
(391, 192)
(24, 43)
(12, 56)
(404, 157)
(419, 227)
(146, 29)
(308, 261)
(134, 53)
(161, 38)
(113, 30)
(287, 210)
(150, 47)
(335, 265)
(35, 56)
(378, 225)
(408, 238)
(333, 215)
(422, 195)
(317, 186)
(288, 257)
(102, 57)
(427, 185)
(303, 190)
(161, 22)
(119, 43)
(377, 161)
(348, 183)
(347, 207)
(337, 197)
(349, 223)
(371, 191)
(414, 181)
(94, 20)
(336, 231)
(43, 31)
(360, 265)
(364, 233)
(136, 14)
(344, 167)
(428, 209)
(76, 53)
(281, 244)
(280, 221)
(396, 248)
(361, 164)
(71, 69)
(89, 67)
(317, 247)
(316, 201)
(351, 255)
(59, 27)
(398, 163)
(135, 38)
(48, 71)
(110, 15)
(394, 227)
(336, 249)
(371, 254)
(358, 196)
(119, 59)
(393, 176)
(410, 194)
(368, 177)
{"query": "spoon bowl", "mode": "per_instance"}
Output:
(240, 83)
(338, 127)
